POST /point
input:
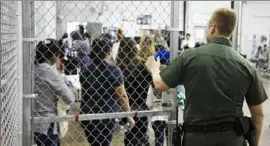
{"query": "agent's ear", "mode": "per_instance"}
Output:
(213, 28)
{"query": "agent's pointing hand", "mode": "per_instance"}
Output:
(153, 65)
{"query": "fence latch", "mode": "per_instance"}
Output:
(31, 40)
(30, 96)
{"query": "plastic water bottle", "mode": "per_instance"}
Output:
(181, 100)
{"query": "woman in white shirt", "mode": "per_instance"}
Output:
(188, 42)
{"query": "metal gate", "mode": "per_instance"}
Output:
(51, 19)
(10, 103)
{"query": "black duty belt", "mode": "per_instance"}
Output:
(221, 127)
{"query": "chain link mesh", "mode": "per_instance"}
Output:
(9, 100)
(93, 72)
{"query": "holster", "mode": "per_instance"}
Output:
(177, 135)
(178, 132)
(245, 127)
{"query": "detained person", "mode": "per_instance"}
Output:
(103, 88)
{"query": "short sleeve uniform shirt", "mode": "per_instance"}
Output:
(217, 79)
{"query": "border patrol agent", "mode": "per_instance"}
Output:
(217, 80)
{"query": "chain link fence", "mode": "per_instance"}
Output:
(85, 62)
(9, 98)
(89, 76)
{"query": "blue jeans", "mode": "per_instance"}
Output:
(47, 140)
(99, 132)
(159, 128)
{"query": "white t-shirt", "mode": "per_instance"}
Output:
(115, 50)
(190, 43)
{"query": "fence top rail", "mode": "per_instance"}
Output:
(84, 117)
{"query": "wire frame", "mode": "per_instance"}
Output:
(83, 75)
(9, 99)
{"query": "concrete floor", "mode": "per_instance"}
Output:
(75, 135)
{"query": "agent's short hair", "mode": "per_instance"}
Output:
(225, 19)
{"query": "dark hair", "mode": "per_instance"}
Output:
(75, 35)
(65, 35)
(107, 36)
(127, 50)
(127, 55)
(86, 35)
(197, 44)
(60, 43)
(120, 34)
(46, 49)
(188, 34)
(81, 29)
(137, 39)
(101, 47)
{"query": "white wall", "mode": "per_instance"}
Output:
(255, 20)
(129, 11)
(120, 13)
(198, 13)
(124, 13)
(114, 13)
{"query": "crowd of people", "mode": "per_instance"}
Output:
(113, 77)
(261, 57)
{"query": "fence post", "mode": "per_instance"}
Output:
(175, 24)
(20, 67)
(59, 19)
(28, 26)
(1, 137)
(237, 5)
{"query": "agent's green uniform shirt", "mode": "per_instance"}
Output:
(217, 80)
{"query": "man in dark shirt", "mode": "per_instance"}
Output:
(217, 80)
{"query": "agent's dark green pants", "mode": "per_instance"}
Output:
(228, 138)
